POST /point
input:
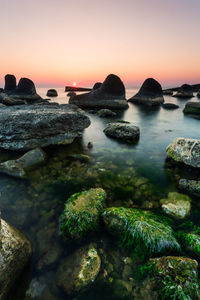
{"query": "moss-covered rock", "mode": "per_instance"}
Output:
(190, 186)
(192, 108)
(136, 227)
(82, 213)
(176, 205)
(191, 242)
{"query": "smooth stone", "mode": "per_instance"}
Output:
(170, 106)
(192, 108)
(122, 131)
(185, 150)
(190, 186)
(52, 93)
(10, 82)
(176, 205)
(185, 91)
(106, 113)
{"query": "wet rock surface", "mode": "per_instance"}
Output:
(122, 131)
(106, 113)
(170, 106)
(192, 108)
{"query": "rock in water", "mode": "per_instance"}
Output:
(52, 93)
(176, 205)
(106, 113)
(170, 106)
(185, 151)
(168, 92)
(192, 108)
(198, 94)
(26, 86)
(14, 255)
(190, 186)
(122, 131)
(110, 94)
(185, 91)
(10, 82)
(78, 271)
(97, 85)
(32, 126)
(149, 94)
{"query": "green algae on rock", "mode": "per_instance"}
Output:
(82, 213)
(138, 227)
(191, 242)
(190, 186)
(176, 205)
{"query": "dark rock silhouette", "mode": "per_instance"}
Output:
(168, 92)
(192, 108)
(96, 85)
(26, 86)
(170, 106)
(185, 91)
(52, 93)
(10, 82)
(149, 94)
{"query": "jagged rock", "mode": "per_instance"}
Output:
(18, 167)
(78, 271)
(170, 106)
(106, 113)
(190, 186)
(111, 95)
(10, 101)
(97, 85)
(32, 126)
(176, 205)
(185, 150)
(10, 82)
(122, 131)
(192, 108)
(52, 93)
(150, 93)
(185, 91)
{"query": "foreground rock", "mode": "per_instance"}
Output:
(185, 151)
(78, 271)
(52, 93)
(32, 126)
(8, 101)
(15, 252)
(122, 131)
(190, 186)
(192, 108)
(176, 205)
(110, 94)
(106, 113)
(185, 91)
(170, 106)
(142, 228)
(10, 82)
(150, 93)
(18, 167)
(83, 209)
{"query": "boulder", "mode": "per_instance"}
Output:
(8, 101)
(186, 151)
(122, 131)
(150, 93)
(52, 93)
(15, 252)
(18, 167)
(168, 92)
(83, 209)
(170, 106)
(106, 113)
(185, 91)
(97, 85)
(10, 82)
(176, 205)
(111, 95)
(192, 108)
(28, 127)
(79, 270)
(136, 227)
(190, 186)
(71, 94)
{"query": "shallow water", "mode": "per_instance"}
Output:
(34, 205)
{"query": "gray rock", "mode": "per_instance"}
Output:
(8, 101)
(122, 131)
(32, 126)
(104, 113)
(190, 186)
(185, 150)
(10, 82)
(170, 106)
(192, 108)
(18, 167)
(52, 93)
(185, 91)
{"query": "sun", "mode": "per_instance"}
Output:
(74, 83)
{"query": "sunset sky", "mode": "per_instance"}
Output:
(58, 42)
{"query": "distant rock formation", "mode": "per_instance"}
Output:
(10, 82)
(150, 93)
(185, 91)
(110, 94)
(52, 93)
(96, 85)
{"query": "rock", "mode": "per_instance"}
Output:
(10, 82)
(1, 90)
(192, 108)
(35, 289)
(18, 167)
(111, 95)
(104, 113)
(191, 242)
(10, 101)
(168, 92)
(176, 205)
(52, 93)
(97, 85)
(185, 91)
(90, 145)
(198, 94)
(83, 209)
(78, 271)
(170, 106)
(150, 93)
(122, 131)
(71, 94)
(190, 186)
(185, 150)
(136, 227)
(14, 255)
(32, 126)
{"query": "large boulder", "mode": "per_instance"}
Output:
(122, 131)
(15, 251)
(52, 93)
(32, 126)
(150, 93)
(26, 86)
(185, 91)
(192, 108)
(110, 94)
(10, 82)
(185, 150)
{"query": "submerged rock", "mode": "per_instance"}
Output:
(122, 131)
(176, 205)
(18, 167)
(170, 106)
(10, 82)
(185, 91)
(192, 108)
(106, 113)
(52, 93)
(78, 271)
(185, 150)
(32, 126)
(82, 209)
(143, 228)
(149, 94)
(110, 94)
(190, 186)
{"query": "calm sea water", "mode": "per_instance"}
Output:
(34, 205)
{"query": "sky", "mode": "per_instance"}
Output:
(59, 42)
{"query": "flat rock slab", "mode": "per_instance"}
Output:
(32, 126)
(122, 131)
